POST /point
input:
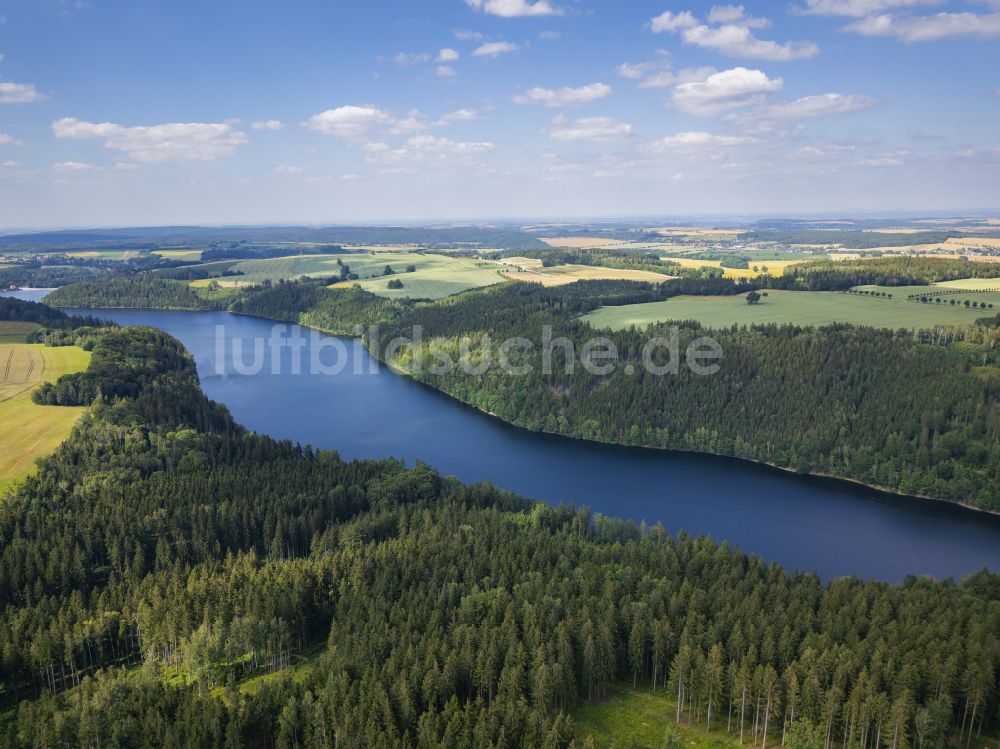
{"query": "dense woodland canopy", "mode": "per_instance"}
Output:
(164, 567)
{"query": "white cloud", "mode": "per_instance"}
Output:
(459, 115)
(410, 58)
(929, 28)
(698, 139)
(657, 73)
(267, 125)
(9, 164)
(590, 129)
(447, 55)
(445, 71)
(819, 106)
(881, 162)
(464, 35)
(730, 34)
(181, 141)
(549, 35)
(563, 97)
(9, 140)
(515, 8)
(18, 93)
(669, 21)
(425, 149)
(352, 122)
(71, 166)
(288, 169)
(859, 8)
(493, 49)
(738, 41)
(723, 91)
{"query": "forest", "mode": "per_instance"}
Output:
(168, 579)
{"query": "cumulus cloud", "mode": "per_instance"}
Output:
(728, 30)
(658, 73)
(929, 28)
(180, 141)
(566, 96)
(515, 8)
(819, 106)
(354, 122)
(283, 169)
(447, 55)
(698, 139)
(445, 71)
(494, 49)
(669, 21)
(267, 125)
(410, 58)
(724, 91)
(9, 140)
(859, 8)
(18, 93)
(590, 129)
(736, 40)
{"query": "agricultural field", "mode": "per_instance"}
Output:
(773, 267)
(582, 243)
(638, 718)
(434, 277)
(788, 307)
(104, 254)
(15, 331)
(187, 255)
(560, 275)
(29, 430)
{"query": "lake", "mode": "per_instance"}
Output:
(830, 527)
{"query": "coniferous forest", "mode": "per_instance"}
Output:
(168, 579)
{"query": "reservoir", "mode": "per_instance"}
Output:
(814, 525)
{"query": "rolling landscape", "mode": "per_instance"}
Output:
(500, 373)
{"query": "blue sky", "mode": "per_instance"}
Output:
(115, 112)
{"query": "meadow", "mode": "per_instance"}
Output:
(788, 307)
(638, 719)
(772, 267)
(30, 430)
(188, 255)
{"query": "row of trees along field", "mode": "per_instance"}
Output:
(168, 579)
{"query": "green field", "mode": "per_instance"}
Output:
(193, 255)
(638, 718)
(435, 276)
(791, 307)
(14, 331)
(29, 430)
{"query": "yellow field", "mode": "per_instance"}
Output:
(560, 275)
(698, 233)
(383, 247)
(524, 263)
(192, 255)
(531, 276)
(582, 243)
(973, 242)
(29, 430)
(774, 267)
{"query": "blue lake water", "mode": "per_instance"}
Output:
(830, 527)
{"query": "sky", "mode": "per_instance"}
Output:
(133, 112)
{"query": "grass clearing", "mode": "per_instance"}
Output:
(15, 331)
(30, 430)
(530, 276)
(638, 718)
(788, 307)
